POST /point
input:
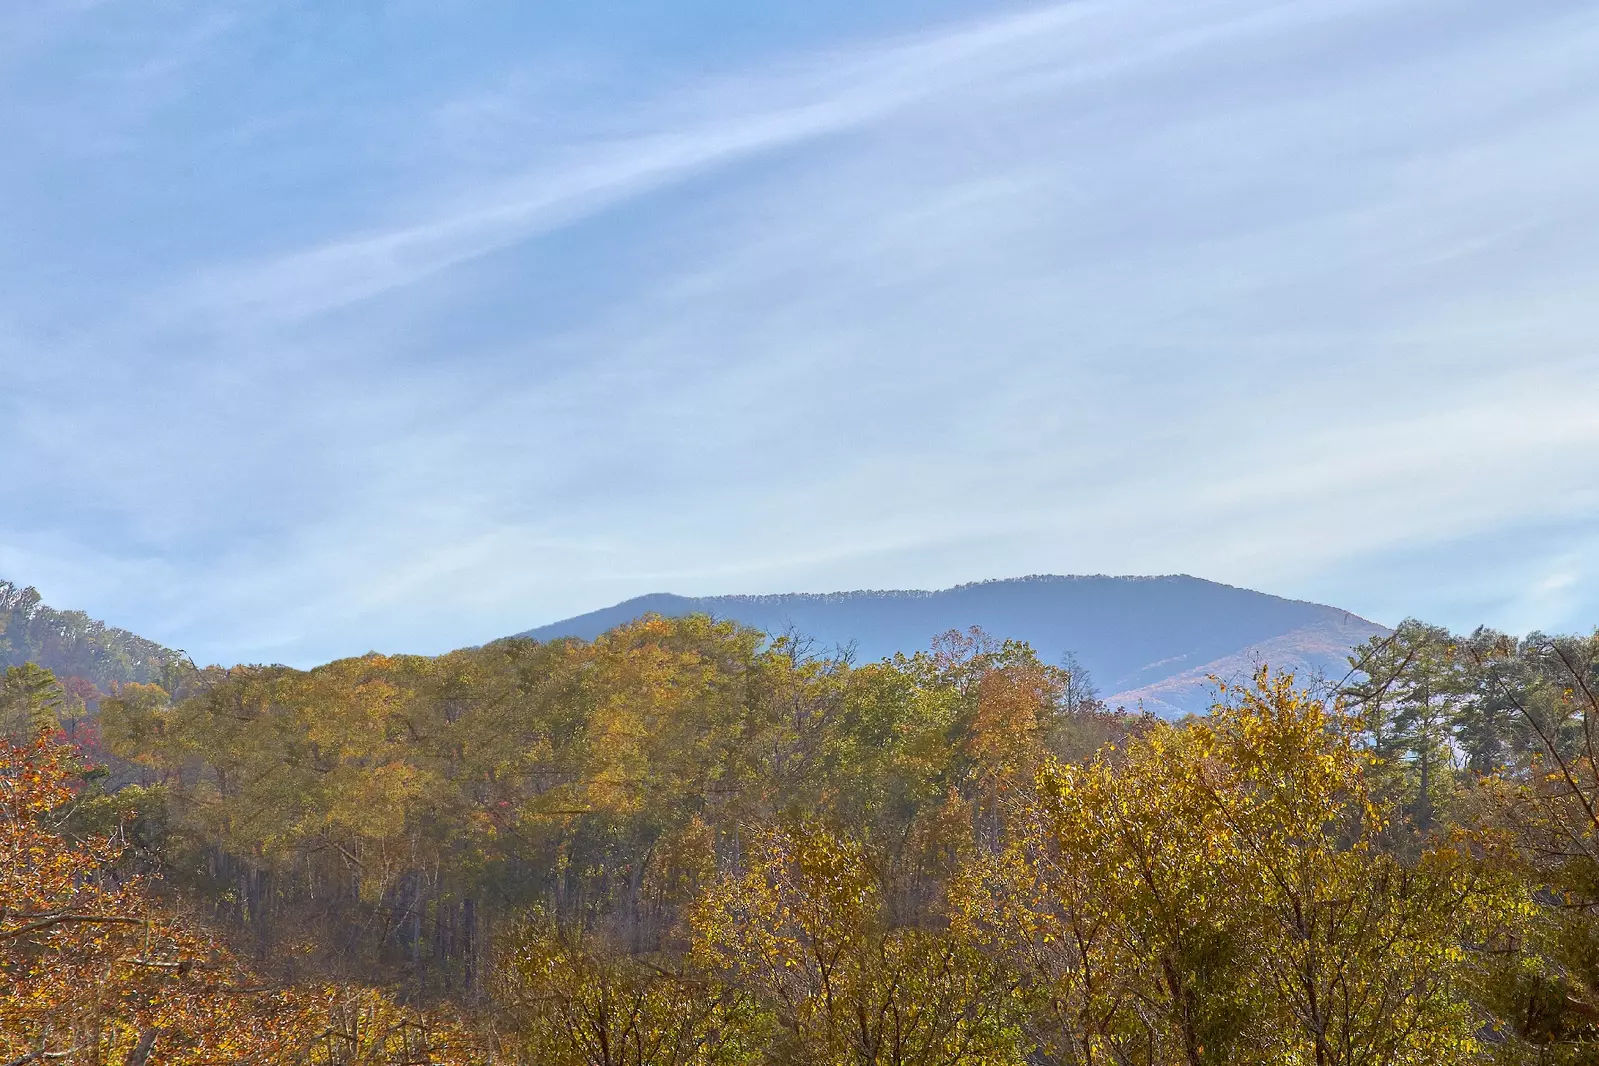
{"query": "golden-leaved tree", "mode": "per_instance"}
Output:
(567, 997)
(1212, 892)
(804, 925)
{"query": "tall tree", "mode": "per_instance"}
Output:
(31, 700)
(804, 925)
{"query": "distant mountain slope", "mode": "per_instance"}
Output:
(1313, 653)
(72, 644)
(1142, 638)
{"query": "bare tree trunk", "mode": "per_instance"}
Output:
(139, 1054)
(469, 946)
(418, 905)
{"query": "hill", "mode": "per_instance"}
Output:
(73, 645)
(1149, 640)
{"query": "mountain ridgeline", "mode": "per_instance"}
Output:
(73, 645)
(1146, 641)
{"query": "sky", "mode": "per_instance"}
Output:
(405, 325)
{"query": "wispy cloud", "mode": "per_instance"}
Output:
(1273, 292)
(746, 116)
(723, 121)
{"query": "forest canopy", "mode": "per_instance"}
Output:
(686, 843)
(76, 648)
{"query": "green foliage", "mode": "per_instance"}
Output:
(73, 645)
(31, 701)
(1521, 716)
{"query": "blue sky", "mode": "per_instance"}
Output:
(327, 327)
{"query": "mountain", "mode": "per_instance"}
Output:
(73, 645)
(1149, 641)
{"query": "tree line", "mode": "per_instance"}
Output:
(88, 656)
(686, 844)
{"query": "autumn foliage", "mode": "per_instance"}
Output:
(688, 844)
(93, 969)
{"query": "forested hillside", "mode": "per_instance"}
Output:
(73, 645)
(683, 843)
(1150, 641)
